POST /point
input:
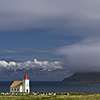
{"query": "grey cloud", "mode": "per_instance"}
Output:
(16, 15)
(10, 51)
(83, 56)
(73, 17)
(25, 51)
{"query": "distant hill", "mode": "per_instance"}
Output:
(93, 77)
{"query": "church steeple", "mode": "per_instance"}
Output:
(25, 78)
(26, 87)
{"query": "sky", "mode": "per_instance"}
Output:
(62, 31)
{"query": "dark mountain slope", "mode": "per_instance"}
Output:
(83, 78)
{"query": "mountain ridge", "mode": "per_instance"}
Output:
(91, 77)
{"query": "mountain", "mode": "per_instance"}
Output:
(34, 74)
(93, 77)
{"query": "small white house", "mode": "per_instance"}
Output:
(20, 86)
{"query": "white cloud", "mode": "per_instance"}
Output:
(3, 63)
(83, 56)
(11, 64)
(46, 65)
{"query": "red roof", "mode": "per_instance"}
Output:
(25, 78)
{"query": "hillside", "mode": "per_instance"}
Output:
(83, 78)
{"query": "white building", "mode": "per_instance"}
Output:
(20, 86)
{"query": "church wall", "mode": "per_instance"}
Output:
(26, 87)
(21, 89)
(14, 89)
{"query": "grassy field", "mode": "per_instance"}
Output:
(57, 97)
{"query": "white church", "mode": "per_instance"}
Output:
(20, 86)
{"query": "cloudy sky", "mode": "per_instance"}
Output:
(66, 31)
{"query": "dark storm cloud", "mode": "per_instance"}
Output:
(74, 17)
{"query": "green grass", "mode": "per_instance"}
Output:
(57, 97)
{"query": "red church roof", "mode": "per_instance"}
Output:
(25, 78)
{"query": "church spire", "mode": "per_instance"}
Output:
(25, 78)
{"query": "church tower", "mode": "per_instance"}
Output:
(26, 87)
